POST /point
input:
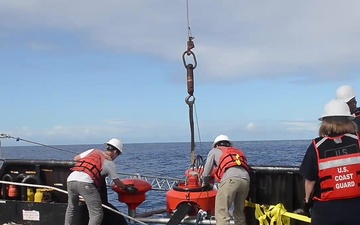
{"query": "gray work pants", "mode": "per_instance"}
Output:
(92, 199)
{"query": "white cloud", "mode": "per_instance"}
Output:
(233, 39)
(132, 132)
(129, 132)
(251, 127)
(302, 126)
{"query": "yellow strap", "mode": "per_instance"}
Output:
(277, 214)
(260, 214)
(298, 217)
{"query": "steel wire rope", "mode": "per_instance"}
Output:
(191, 45)
(36, 143)
(198, 161)
(197, 126)
(188, 19)
(64, 150)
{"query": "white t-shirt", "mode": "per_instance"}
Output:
(109, 169)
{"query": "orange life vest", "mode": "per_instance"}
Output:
(231, 157)
(339, 166)
(92, 165)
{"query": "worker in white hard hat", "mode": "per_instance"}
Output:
(231, 171)
(347, 94)
(331, 169)
(87, 177)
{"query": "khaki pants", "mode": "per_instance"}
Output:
(231, 191)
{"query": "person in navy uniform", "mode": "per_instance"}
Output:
(331, 169)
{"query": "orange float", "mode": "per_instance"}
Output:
(133, 200)
(12, 192)
(191, 192)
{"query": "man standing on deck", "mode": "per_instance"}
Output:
(232, 174)
(86, 178)
(347, 94)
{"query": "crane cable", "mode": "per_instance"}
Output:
(190, 99)
(191, 45)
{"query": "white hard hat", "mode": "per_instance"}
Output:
(116, 143)
(219, 138)
(345, 93)
(337, 107)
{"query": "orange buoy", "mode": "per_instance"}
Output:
(133, 200)
(191, 192)
(198, 172)
(204, 200)
(12, 192)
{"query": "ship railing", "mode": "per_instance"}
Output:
(158, 183)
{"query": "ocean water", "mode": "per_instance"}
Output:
(165, 160)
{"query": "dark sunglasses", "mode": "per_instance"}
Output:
(112, 148)
(352, 101)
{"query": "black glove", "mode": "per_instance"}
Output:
(129, 188)
(206, 186)
(206, 181)
(306, 209)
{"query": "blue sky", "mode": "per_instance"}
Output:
(82, 72)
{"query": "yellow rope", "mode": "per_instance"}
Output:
(277, 214)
